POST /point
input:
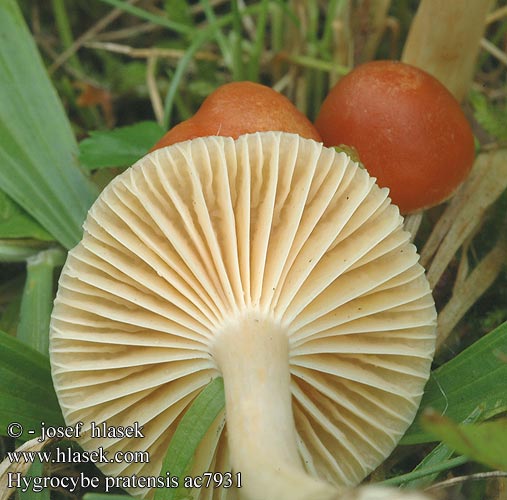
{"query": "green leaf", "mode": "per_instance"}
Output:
(38, 296)
(476, 378)
(192, 428)
(490, 116)
(38, 151)
(120, 147)
(437, 456)
(485, 442)
(16, 223)
(26, 388)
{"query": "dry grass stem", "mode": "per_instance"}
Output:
(143, 53)
(151, 82)
(78, 43)
(485, 185)
(465, 296)
(412, 224)
(444, 40)
(493, 50)
(479, 476)
(463, 267)
(127, 33)
(247, 20)
(281, 84)
(343, 42)
(496, 15)
(370, 23)
(7, 466)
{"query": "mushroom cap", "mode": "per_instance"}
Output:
(202, 231)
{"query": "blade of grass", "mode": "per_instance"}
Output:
(222, 42)
(16, 223)
(238, 68)
(474, 378)
(37, 148)
(484, 442)
(26, 388)
(180, 28)
(36, 470)
(188, 435)
(201, 37)
(65, 31)
(258, 48)
(37, 301)
(181, 67)
(438, 455)
(411, 476)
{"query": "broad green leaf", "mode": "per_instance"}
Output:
(38, 152)
(38, 296)
(120, 147)
(190, 432)
(26, 388)
(476, 378)
(485, 442)
(16, 223)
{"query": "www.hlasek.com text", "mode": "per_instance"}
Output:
(73, 456)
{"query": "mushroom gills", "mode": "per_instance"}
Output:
(270, 260)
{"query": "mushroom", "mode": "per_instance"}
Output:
(407, 128)
(273, 261)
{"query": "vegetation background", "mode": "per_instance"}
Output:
(125, 71)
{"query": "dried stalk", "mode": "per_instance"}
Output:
(146, 53)
(78, 43)
(486, 183)
(444, 40)
(494, 51)
(369, 22)
(7, 467)
(465, 296)
(151, 82)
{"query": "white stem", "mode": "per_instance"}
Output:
(253, 356)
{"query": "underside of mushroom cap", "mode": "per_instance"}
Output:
(196, 236)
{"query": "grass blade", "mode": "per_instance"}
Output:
(485, 442)
(473, 379)
(37, 148)
(36, 470)
(26, 388)
(188, 435)
(37, 301)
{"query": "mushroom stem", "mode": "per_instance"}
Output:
(253, 356)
